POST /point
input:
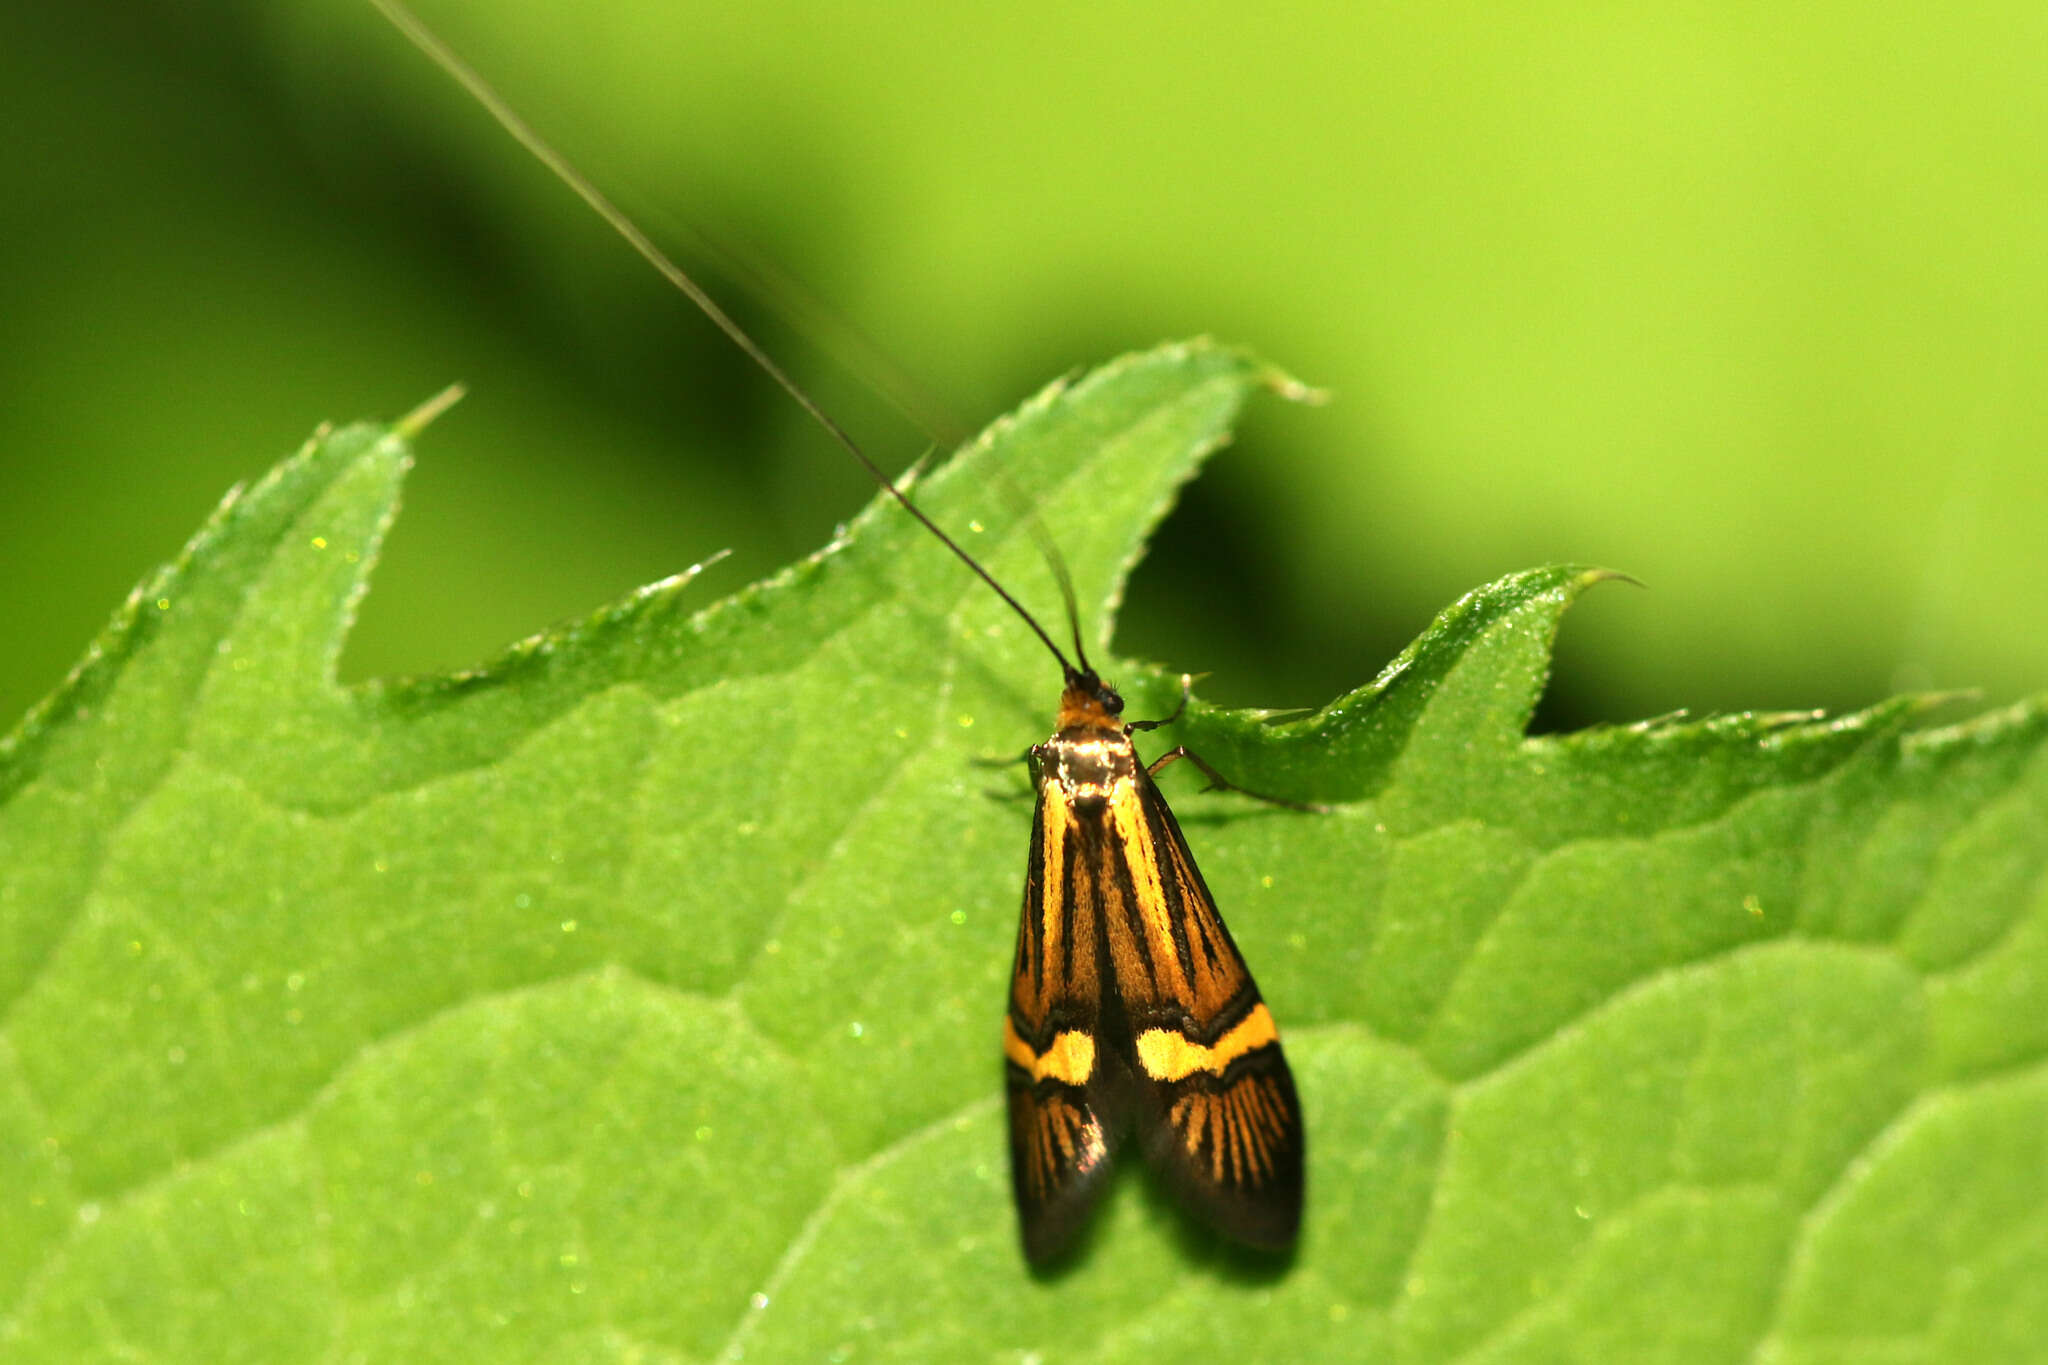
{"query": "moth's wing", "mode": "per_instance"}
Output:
(1212, 1094)
(1063, 1083)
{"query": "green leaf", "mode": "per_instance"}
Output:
(635, 997)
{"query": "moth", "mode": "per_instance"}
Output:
(1131, 1011)
(1130, 1008)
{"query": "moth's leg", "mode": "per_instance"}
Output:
(1029, 758)
(1187, 685)
(1219, 783)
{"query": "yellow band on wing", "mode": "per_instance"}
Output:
(1070, 1060)
(1167, 1056)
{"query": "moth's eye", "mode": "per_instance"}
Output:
(1112, 702)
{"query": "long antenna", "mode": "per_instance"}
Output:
(443, 56)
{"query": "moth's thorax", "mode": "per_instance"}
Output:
(1090, 753)
(1088, 762)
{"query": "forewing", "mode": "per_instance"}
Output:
(1213, 1097)
(1062, 1133)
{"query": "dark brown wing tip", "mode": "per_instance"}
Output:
(1054, 1200)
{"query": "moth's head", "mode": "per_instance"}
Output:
(1088, 700)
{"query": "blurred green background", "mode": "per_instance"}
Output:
(1745, 300)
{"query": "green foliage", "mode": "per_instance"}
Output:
(635, 997)
(1746, 300)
